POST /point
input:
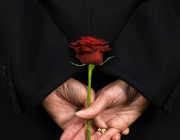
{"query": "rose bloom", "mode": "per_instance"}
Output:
(89, 50)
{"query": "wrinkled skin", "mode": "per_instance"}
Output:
(116, 102)
(67, 99)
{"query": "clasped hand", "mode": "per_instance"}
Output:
(114, 107)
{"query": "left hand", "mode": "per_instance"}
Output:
(67, 99)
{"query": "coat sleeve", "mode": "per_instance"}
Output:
(34, 53)
(147, 52)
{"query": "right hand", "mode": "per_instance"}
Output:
(118, 105)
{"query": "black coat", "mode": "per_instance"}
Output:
(34, 35)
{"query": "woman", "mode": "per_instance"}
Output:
(35, 35)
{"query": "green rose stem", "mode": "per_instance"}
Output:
(90, 69)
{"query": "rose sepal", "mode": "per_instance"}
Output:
(81, 65)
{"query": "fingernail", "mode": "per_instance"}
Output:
(80, 112)
(103, 124)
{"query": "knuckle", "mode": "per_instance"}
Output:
(112, 95)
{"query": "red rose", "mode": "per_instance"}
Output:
(89, 50)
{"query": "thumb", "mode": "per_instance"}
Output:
(95, 108)
(111, 95)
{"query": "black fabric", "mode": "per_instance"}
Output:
(156, 125)
(36, 50)
(35, 124)
(147, 52)
(34, 35)
(102, 19)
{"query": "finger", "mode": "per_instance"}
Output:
(118, 123)
(73, 128)
(99, 122)
(116, 136)
(96, 107)
(92, 98)
(75, 92)
(96, 135)
(125, 132)
(108, 135)
(111, 95)
(82, 134)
